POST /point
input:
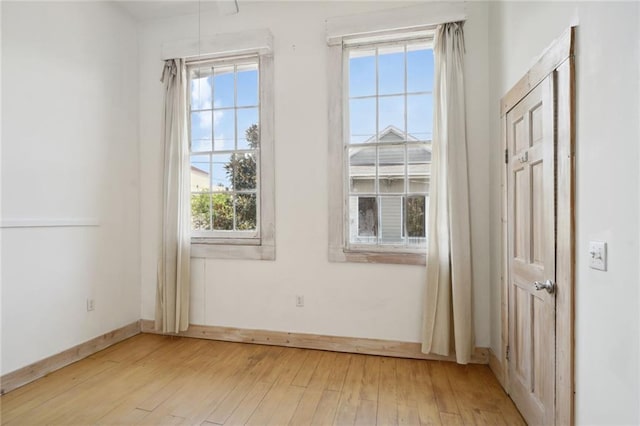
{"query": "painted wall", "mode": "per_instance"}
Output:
(607, 303)
(69, 154)
(357, 300)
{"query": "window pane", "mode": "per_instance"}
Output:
(391, 220)
(201, 127)
(362, 120)
(248, 136)
(362, 169)
(246, 212)
(245, 168)
(391, 70)
(222, 172)
(223, 87)
(419, 168)
(200, 173)
(419, 69)
(420, 117)
(367, 217)
(222, 211)
(391, 119)
(201, 211)
(416, 217)
(201, 90)
(225, 130)
(391, 169)
(248, 85)
(362, 73)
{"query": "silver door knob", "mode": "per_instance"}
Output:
(548, 285)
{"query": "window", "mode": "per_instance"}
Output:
(230, 135)
(385, 147)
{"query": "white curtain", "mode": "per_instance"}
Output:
(448, 315)
(172, 297)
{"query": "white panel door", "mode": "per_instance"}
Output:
(531, 229)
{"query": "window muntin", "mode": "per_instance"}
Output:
(224, 109)
(387, 150)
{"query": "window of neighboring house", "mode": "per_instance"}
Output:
(229, 175)
(386, 147)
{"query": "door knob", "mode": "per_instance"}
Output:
(548, 285)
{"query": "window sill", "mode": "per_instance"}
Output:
(233, 251)
(339, 254)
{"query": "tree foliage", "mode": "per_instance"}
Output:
(241, 170)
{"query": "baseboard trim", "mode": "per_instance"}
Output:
(24, 375)
(315, 341)
(496, 366)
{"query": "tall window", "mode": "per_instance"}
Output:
(224, 120)
(387, 149)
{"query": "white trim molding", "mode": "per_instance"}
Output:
(50, 223)
(258, 41)
(422, 15)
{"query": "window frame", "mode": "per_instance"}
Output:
(340, 247)
(258, 244)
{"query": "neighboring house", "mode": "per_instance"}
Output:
(391, 176)
(200, 180)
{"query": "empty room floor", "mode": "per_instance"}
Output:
(155, 380)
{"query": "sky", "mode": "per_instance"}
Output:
(391, 83)
(362, 102)
(220, 121)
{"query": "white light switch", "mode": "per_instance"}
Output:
(598, 255)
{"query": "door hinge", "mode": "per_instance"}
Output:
(506, 156)
(507, 353)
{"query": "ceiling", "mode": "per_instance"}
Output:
(145, 10)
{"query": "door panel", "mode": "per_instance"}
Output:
(531, 229)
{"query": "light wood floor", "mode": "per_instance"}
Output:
(154, 380)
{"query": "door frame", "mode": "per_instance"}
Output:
(558, 59)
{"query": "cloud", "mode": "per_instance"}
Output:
(201, 93)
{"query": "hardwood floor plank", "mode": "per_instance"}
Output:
(248, 405)
(442, 389)
(425, 396)
(449, 419)
(366, 413)
(307, 369)
(350, 395)
(371, 378)
(158, 380)
(408, 415)
(339, 371)
(326, 411)
(387, 398)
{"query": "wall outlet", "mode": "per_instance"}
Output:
(299, 301)
(598, 255)
(91, 305)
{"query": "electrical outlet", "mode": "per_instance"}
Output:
(299, 301)
(91, 305)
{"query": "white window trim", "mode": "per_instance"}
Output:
(263, 247)
(339, 248)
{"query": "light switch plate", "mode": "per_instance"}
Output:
(598, 255)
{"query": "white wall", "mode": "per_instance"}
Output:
(69, 153)
(357, 300)
(607, 69)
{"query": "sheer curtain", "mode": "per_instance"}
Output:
(172, 296)
(448, 315)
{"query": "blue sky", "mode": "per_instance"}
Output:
(362, 82)
(391, 81)
(220, 121)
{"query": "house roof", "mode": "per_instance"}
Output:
(393, 155)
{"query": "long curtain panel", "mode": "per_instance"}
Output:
(172, 296)
(448, 315)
